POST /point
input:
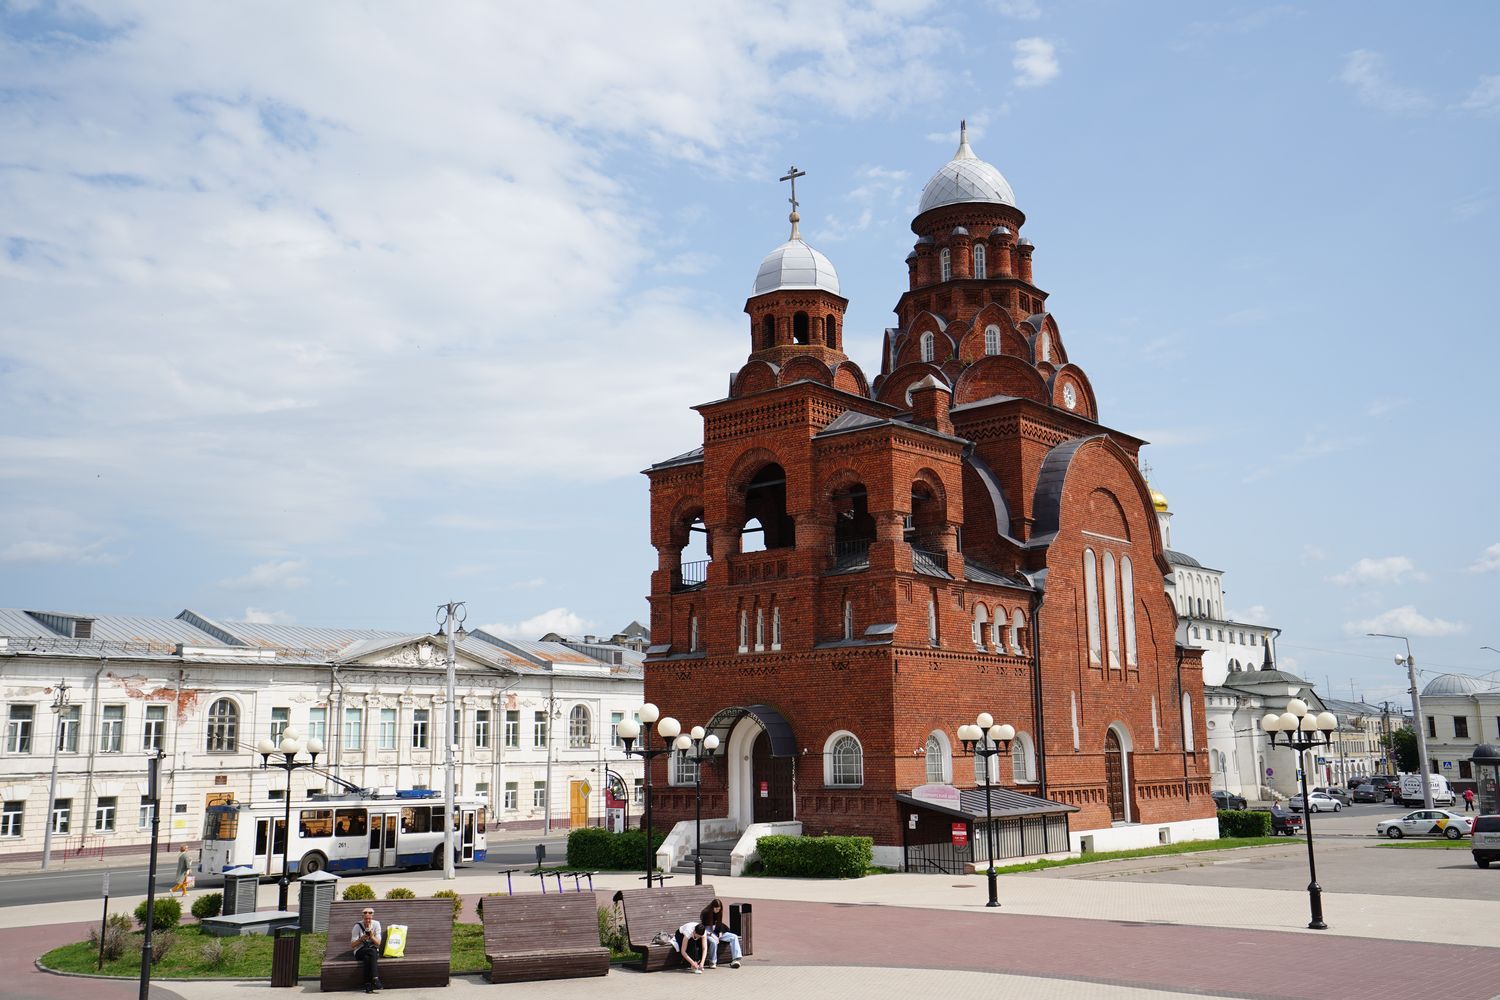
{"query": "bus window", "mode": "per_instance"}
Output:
(316, 822)
(375, 835)
(350, 822)
(416, 819)
(221, 823)
(262, 832)
(481, 820)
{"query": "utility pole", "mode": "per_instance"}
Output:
(448, 615)
(59, 707)
(1410, 662)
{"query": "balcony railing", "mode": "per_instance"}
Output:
(849, 555)
(690, 575)
(928, 561)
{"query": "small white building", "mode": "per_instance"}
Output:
(1459, 712)
(535, 722)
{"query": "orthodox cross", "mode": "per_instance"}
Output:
(792, 173)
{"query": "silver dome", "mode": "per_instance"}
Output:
(1459, 684)
(966, 178)
(794, 264)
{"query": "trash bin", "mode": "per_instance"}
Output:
(739, 922)
(286, 956)
(240, 887)
(315, 894)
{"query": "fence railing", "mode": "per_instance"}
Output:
(691, 574)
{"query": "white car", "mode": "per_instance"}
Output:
(1316, 802)
(1426, 823)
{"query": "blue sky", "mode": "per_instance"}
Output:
(331, 313)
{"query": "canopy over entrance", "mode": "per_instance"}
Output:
(783, 743)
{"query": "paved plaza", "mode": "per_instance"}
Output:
(1111, 931)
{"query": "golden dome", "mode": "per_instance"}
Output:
(1158, 501)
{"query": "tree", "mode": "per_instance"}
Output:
(1404, 742)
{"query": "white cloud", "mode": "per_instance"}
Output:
(1488, 561)
(559, 620)
(284, 574)
(1386, 569)
(1405, 620)
(255, 616)
(1035, 62)
(1021, 10)
(1255, 614)
(1485, 97)
(1364, 71)
(54, 552)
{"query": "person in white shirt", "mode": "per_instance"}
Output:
(691, 941)
(365, 941)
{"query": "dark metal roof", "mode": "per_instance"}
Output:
(1047, 503)
(686, 458)
(1181, 558)
(976, 573)
(1005, 803)
(783, 743)
(996, 493)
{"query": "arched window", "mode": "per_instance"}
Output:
(945, 264)
(1017, 623)
(831, 331)
(1046, 347)
(692, 632)
(927, 343)
(992, 339)
(939, 760)
(1187, 721)
(848, 620)
(1111, 610)
(683, 769)
(844, 761)
(1091, 605)
(767, 331)
(223, 727)
(932, 620)
(760, 628)
(776, 627)
(982, 771)
(980, 269)
(744, 630)
(580, 728)
(1022, 760)
(800, 329)
(981, 619)
(1127, 594)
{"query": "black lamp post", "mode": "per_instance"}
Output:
(984, 739)
(153, 792)
(700, 749)
(292, 746)
(668, 729)
(1302, 732)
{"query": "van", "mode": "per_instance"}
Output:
(1486, 844)
(1409, 792)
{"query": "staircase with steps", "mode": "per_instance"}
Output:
(715, 859)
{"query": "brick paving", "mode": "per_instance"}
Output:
(20, 979)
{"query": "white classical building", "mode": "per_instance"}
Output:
(1459, 712)
(535, 721)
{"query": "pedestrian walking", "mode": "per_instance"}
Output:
(184, 872)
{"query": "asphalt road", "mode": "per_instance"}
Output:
(129, 879)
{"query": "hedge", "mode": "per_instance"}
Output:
(816, 857)
(1244, 823)
(167, 913)
(598, 849)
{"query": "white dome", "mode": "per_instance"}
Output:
(794, 264)
(966, 178)
(1459, 684)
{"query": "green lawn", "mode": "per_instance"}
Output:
(1462, 844)
(1188, 847)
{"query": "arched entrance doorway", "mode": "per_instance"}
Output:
(1117, 775)
(759, 764)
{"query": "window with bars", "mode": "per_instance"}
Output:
(992, 339)
(684, 770)
(580, 726)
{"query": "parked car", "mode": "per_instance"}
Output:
(1486, 833)
(1426, 823)
(1336, 793)
(1409, 792)
(1357, 780)
(1284, 822)
(1226, 800)
(1369, 792)
(1317, 802)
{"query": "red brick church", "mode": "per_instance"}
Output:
(890, 558)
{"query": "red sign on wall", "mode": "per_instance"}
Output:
(960, 835)
(765, 789)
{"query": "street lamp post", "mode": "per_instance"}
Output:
(984, 739)
(700, 749)
(1301, 732)
(153, 792)
(448, 615)
(292, 746)
(59, 706)
(668, 729)
(1410, 663)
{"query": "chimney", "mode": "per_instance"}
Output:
(929, 405)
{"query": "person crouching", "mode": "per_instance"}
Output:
(691, 942)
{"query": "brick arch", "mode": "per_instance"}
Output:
(755, 376)
(893, 387)
(1012, 341)
(1000, 375)
(1088, 405)
(941, 512)
(1105, 515)
(805, 369)
(1052, 483)
(1048, 325)
(908, 346)
(847, 377)
(687, 506)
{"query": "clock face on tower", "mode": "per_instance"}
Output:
(1070, 395)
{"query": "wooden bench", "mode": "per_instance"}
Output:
(649, 911)
(429, 943)
(532, 937)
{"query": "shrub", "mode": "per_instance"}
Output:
(218, 952)
(1244, 823)
(612, 930)
(816, 857)
(400, 892)
(116, 938)
(208, 905)
(458, 901)
(168, 914)
(630, 848)
(592, 847)
(161, 944)
(359, 890)
(122, 921)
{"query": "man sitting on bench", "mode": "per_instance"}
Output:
(365, 942)
(691, 943)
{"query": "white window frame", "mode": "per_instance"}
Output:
(682, 770)
(1023, 748)
(538, 795)
(1091, 605)
(62, 815)
(1112, 610)
(615, 718)
(482, 726)
(512, 796)
(143, 816)
(945, 264)
(281, 721)
(848, 621)
(836, 745)
(1127, 596)
(744, 630)
(20, 730)
(981, 262)
(540, 729)
(354, 736)
(937, 745)
(317, 724)
(580, 729)
(222, 728)
(111, 728)
(512, 732)
(13, 819)
(991, 340)
(389, 727)
(775, 628)
(421, 729)
(929, 347)
(1017, 623)
(70, 722)
(154, 728)
(106, 808)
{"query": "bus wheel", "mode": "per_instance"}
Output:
(436, 864)
(311, 862)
